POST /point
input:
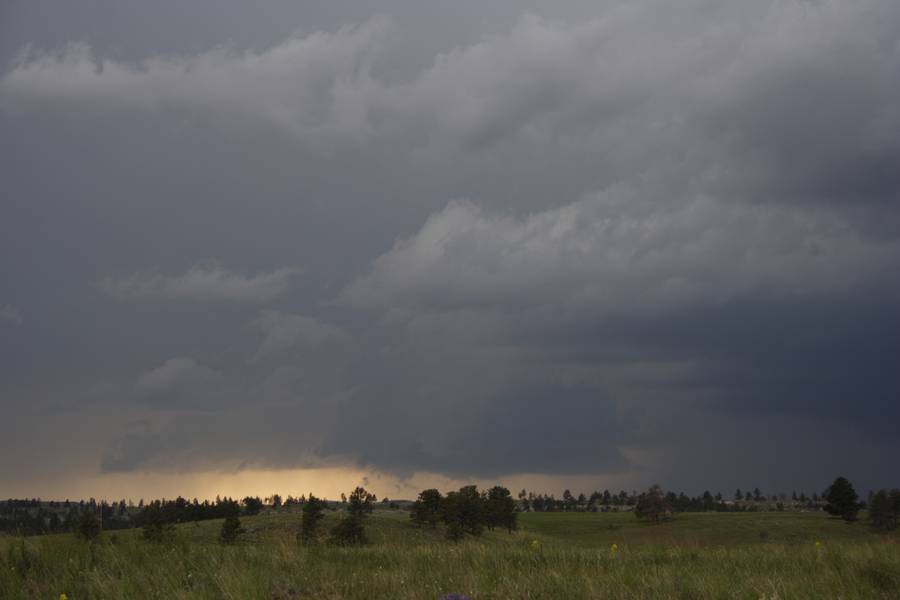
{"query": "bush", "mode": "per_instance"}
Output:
(158, 531)
(349, 532)
(156, 528)
(231, 529)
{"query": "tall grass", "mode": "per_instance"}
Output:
(405, 563)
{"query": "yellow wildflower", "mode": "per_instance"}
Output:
(63, 596)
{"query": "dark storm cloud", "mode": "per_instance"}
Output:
(133, 450)
(599, 240)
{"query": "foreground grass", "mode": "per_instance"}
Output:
(695, 556)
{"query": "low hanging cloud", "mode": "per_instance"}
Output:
(133, 449)
(732, 93)
(622, 251)
(314, 87)
(202, 282)
(180, 382)
(769, 81)
(286, 332)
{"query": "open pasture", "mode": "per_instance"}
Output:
(552, 556)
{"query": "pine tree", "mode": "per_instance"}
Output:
(309, 521)
(500, 509)
(427, 509)
(842, 499)
(360, 503)
(463, 512)
(231, 529)
(652, 505)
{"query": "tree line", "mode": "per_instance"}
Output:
(607, 501)
(467, 511)
(839, 500)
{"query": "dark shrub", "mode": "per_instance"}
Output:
(349, 532)
(231, 529)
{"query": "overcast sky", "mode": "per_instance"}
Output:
(296, 246)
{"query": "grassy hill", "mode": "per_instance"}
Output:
(554, 555)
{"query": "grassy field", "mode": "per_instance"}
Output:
(556, 555)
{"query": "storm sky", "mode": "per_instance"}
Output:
(293, 246)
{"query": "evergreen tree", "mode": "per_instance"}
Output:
(500, 509)
(309, 520)
(463, 512)
(842, 499)
(231, 529)
(252, 505)
(652, 505)
(427, 509)
(360, 503)
(883, 509)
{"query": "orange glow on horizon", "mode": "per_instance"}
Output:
(323, 482)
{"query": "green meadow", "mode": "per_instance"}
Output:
(553, 555)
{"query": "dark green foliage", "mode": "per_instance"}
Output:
(455, 531)
(252, 505)
(360, 503)
(181, 510)
(231, 529)
(652, 505)
(842, 499)
(463, 512)
(500, 509)
(88, 526)
(884, 510)
(427, 509)
(309, 520)
(349, 531)
(156, 528)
